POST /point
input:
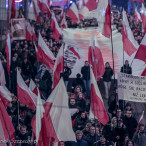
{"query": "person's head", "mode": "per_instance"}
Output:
(80, 95)
(79, 135)
(119, 113)
(65, 64)
(25, 59)
(72, 101)
(97, 130)
(141, 127)
(107, 64)
(102, 139)
(128, 114)
(86, 63)
(62, 143)
(78, 76)
(126, 62)
(120, 123)
(114, 120)
(87, 127)
(130, 143)
(14, 99)
(92, 130)
(126, 138)
(83, 115)
(13, 58)
(23, 130)
(78, 89)
(128, 106)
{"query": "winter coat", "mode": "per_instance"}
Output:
(67, 73)
(108, 74)
(85, 70)
(126, 69)
(92, 139)
(79, 143)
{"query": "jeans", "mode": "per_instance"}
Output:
(87, 85)
(107, 88)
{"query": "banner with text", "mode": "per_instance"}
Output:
(131, 88)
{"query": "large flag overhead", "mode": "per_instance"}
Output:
(5, 95)
(31, 12)
(104, 17)
(6, 127)
(141, 52)
(95, 58)
(59, 114)
(2, 75)
(57, 32)
(72, 12)
(36, 10)
(83, 12)
(25, 95)
(143, 17)
(58, 67)
(90, 4)
(44, 7)
(130, 45)
(44, 54)
(8, 53)
(97, 108)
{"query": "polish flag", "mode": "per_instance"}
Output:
(8, 53)
(44, 7)
(141, 1)
(83, 13)
(90, 4)
(97, 108)
(5, 95)
(36, 10)
(144, 72)
(72, 49)
(104, 17)
(72, 12)
(141, 52)
(57, 32)
(130, 45)
(2, 75)
(6, 127)
(63, 22)
(33, 87)
(44, 54)
(140, 121)
(58, 67)
(95, 59)
(143, 17)
(137, 16)
(59, 117)
(25, 95)
(34, 35)
(13, 9)
(28, 32)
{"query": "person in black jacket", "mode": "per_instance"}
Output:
(85, 70)
(107, 78)
(67, 73)
(126, 68)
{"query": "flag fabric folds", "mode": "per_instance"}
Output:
(8, 52)
(97, 107)
(44, 54)
(130, 45)
(95, 58)
(140, 120)
(24, 94)
(2, 75)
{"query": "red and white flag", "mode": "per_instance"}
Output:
(74, 50)
(130, 45)
(141, 52)
(58, 67)
(36, 10)
(141, 1)
(44, 7)
(33, 87)
(104, 17)
(90, 4)
(24, 94)
(59, 114)
(143, 17)
(5, 95)
(144, 72)
(8, 53)
(63, 22)
(83, 13)
(57, 32)
(28, 32)
(2, 75)
(97, 105)
(44, 54)
(95, 59)
(6, 127)
(72, 12)
(140, 121)
(137, 16)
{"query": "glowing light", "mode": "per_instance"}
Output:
(18, 1)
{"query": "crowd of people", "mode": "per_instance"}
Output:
(122, 127)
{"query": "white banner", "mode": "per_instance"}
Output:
(131, 88)
(18, 29)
